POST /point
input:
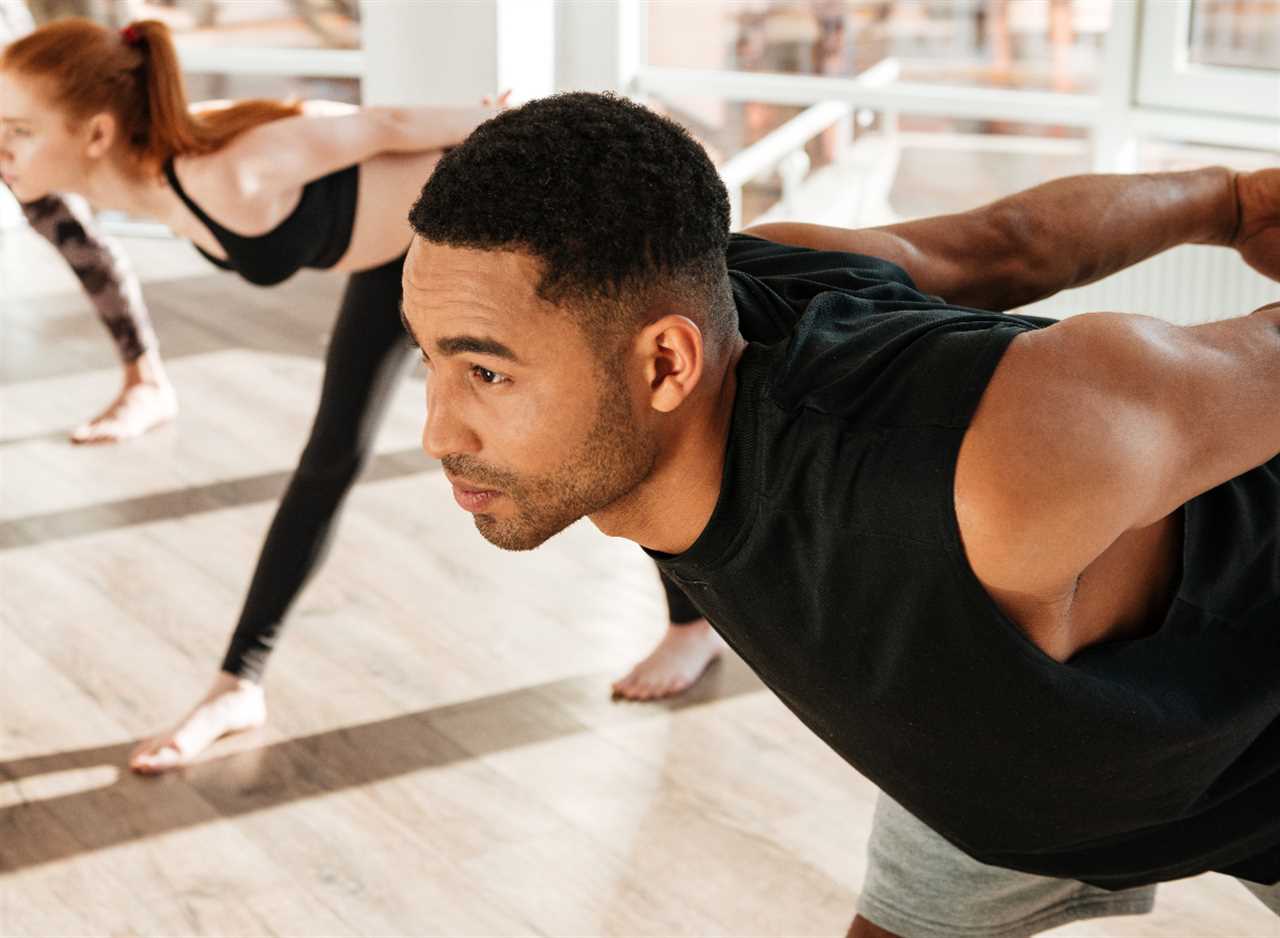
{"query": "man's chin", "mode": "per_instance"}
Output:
(510, 536)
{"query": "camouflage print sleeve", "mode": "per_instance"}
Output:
(102, 268)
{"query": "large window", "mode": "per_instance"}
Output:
(1221, 57)
(288, 24)
(1039, 44)
(1235, 33)
(246, 48)
(935, 87)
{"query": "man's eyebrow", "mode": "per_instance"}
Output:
(404, 321)
(474, 345)
(462, 344)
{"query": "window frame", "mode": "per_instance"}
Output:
(1167, 78)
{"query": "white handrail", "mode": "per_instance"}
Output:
(245, 60)
(1041, 107)
(774, 148)
(782, 142)
(768, 151)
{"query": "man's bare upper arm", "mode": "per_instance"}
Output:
(928, 273)
(870, 241)
(1104, 423)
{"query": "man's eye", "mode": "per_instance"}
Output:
(487, 376)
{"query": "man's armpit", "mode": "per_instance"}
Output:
(1046, 478)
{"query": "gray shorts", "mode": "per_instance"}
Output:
(919, 886)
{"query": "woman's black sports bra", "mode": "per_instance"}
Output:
(316, 233)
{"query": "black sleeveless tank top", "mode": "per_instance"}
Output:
(833, 564)
(315, 234)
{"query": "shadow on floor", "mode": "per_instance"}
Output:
(132, 807)
(32, 530)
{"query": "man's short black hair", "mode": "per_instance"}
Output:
(619, 205)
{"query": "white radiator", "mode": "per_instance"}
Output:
(1186, 285)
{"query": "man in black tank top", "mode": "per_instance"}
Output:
(1024, 575)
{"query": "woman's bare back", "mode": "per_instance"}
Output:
(389, 184)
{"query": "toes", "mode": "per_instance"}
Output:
(139, 751)
(626, 686)
(641, 688)
(622, 690)
(102, 431)
(630, 689)
(92, 433)
(152, 759)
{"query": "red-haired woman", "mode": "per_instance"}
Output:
(146, 399)
(261, 188)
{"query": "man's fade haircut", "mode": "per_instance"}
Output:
(622, 209)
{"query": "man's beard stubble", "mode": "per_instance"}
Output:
(616, 456)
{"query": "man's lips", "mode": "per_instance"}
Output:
(471, 497)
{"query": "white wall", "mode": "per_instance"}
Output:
(456, 51)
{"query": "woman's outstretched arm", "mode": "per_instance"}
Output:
(290, 152)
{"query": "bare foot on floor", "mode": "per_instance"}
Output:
(139, 408)
(231, 706)
(675, 665)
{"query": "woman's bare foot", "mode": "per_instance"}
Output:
(146, 401)
(232, 705)
(674, 665)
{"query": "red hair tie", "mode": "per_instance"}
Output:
(131, 36)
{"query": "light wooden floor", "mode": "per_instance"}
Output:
(442, 756)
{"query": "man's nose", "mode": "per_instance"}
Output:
(445, 432)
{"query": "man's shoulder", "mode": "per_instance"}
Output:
(892, 363)
(1061, 457)
(775, 285)
(761, 257)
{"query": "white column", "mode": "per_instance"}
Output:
(600, 44)
(438, 52)
(1115, 144)
(526, 60)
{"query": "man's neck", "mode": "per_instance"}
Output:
(671, 508)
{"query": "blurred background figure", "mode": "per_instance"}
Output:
(147, 399)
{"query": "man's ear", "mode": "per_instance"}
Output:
(673, 356)
(101, 130)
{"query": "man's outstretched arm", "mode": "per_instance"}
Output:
(1066, 233)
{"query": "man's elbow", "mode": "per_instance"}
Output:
(1022, 257)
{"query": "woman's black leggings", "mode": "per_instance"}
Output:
(367, 355)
